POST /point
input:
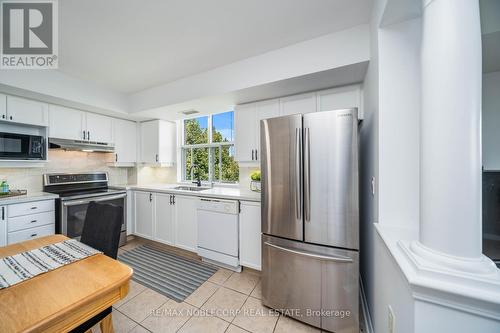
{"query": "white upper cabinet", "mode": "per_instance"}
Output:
(158, 142)
(73, 124)
(150, 138)
(303, 103)
(125, 137)
(26, 111)
(66, 123)
(245, 133)
(247, 119)
(99, 128)
(264, 110)
(3, 107)
(340, 98)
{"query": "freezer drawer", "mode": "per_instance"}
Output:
(314, 284)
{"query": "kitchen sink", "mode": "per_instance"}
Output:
(190, 188)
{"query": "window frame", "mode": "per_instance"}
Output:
(210, 146)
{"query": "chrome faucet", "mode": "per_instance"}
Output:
(198, 180)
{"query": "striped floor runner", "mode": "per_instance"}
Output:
(169, 274)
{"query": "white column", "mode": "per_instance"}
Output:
(450, 169)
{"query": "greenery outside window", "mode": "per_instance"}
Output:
(208, 142)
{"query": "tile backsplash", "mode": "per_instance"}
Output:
(153, 175)
(63, 161)
(75, 161)
(245, 173)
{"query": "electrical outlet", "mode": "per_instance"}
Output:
(391, 321)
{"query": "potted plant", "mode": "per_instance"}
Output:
(255, 183)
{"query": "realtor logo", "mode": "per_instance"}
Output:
(29, 34)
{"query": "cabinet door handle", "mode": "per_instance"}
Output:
(34, 207)
(256, 156)
(88, 135)
(116, 157)
(3, 213)
(84, 135)
(10, 117)
(150, 197)
(173, 199)
(170, 199)
(3, 116)
(34, 221)
(252, 155)
(33, 235)
(156, 157)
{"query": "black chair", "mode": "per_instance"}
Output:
(101, 230)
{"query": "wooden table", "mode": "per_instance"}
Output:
(64, 298)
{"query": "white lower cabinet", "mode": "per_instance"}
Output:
(27, 234)
(186, 226)
(164, 218)
(3, 225)
(172, 219)
(144, 213)
(250, 235)
(167, 218)
(130, 218)
(24, 221)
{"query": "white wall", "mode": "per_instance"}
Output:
(58, 88)
(390, 289)
(368, 164)
(399, 71)
(334, 50)
(439, 319)
(389, 151)
(491, 121)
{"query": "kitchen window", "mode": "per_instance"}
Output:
(208, 142)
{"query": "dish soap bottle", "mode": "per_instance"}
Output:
(4, 187)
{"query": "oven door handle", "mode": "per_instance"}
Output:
(97, 199)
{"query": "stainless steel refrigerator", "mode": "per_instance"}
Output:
(310, 220)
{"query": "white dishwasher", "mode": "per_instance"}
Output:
(218, 232)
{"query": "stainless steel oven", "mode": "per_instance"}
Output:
(76, 191)
(73, 212)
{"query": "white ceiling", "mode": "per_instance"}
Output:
(130, 45)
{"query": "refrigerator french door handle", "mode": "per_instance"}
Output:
(298, 172)
(310, 255)
(307, 176)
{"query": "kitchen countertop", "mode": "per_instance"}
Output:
(31, 196)
(234, 193)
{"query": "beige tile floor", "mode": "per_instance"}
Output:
(212, 308)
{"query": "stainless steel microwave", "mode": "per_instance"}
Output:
(15, 146)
